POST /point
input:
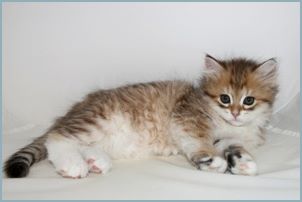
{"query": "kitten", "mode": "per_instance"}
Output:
(213, 124)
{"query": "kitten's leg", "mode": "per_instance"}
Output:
(206, 159)
(65, 156)
(200, 152)
(240, 162)
(98, 161)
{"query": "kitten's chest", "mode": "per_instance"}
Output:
(228, 131)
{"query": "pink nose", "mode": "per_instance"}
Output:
(235, 114)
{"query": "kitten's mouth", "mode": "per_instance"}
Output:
(235, 122)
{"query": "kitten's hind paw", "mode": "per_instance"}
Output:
(206, 162)
(73, 167)
(99, 165)
(240, 162)
(97, 160)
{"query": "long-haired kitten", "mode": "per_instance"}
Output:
(213, 124)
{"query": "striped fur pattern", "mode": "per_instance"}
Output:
(213, 124)
(19, 163)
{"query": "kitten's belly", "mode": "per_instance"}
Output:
(121, 139)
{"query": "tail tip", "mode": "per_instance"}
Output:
(16, 170)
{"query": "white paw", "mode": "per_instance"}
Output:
(97, 160)
(66, 159)
(241, 163)
(99, 165)
(72, 166)
(212, 164)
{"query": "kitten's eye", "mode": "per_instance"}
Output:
(249, 100)
(225, 99)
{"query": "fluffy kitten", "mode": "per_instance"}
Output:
(213, 124)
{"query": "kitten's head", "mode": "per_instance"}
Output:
(240, 90)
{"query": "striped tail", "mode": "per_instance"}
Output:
(19, 163)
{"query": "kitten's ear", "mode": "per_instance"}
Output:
(268, 70)
(212, 66)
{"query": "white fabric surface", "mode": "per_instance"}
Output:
(170, 177)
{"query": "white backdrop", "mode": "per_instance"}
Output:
(54, 53)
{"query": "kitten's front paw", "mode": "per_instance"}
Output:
(210, 163)
(240, 162)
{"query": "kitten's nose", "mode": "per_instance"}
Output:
(235, 114)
